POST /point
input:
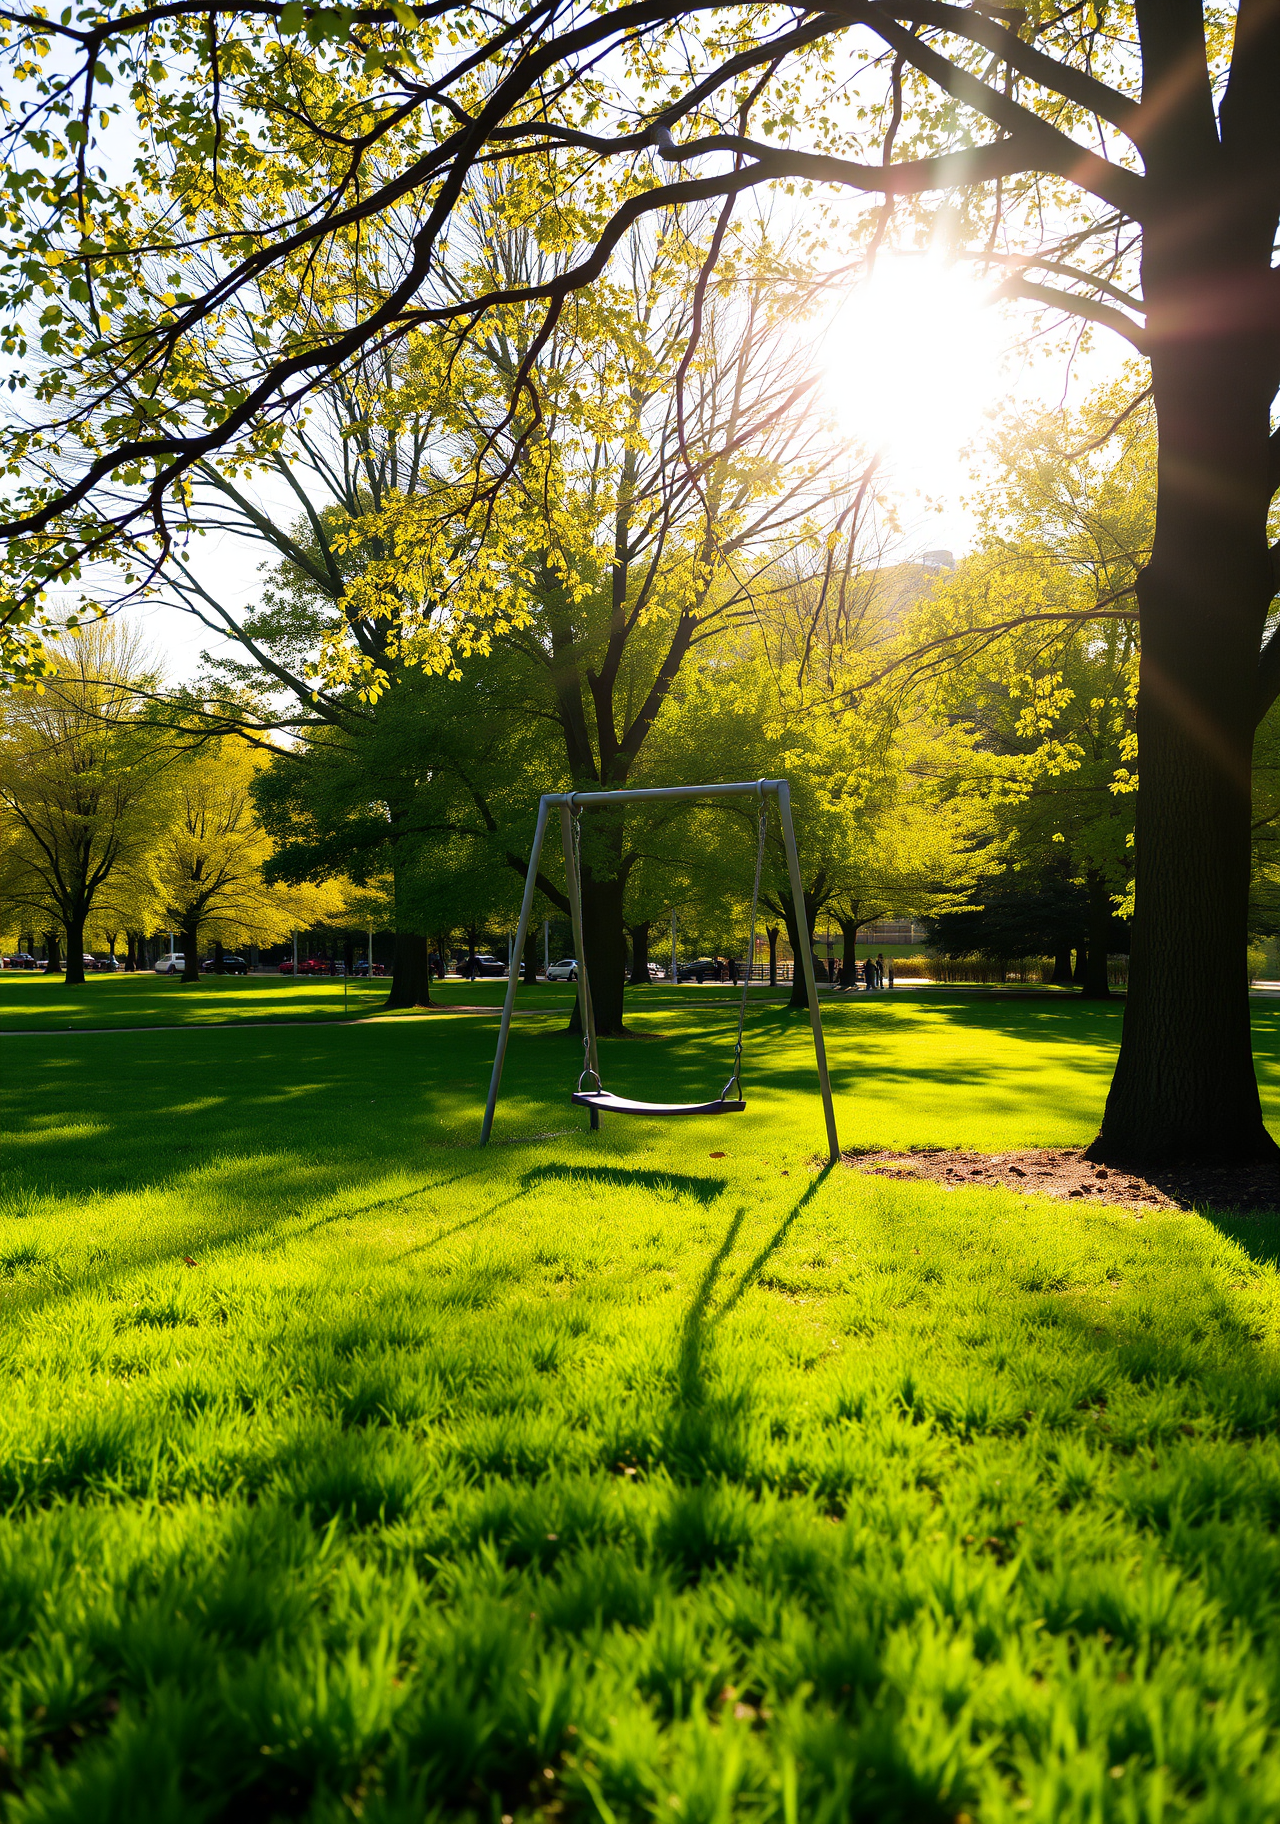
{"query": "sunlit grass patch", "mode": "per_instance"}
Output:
(348, 1470)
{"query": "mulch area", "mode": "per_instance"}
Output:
(1064, 1172)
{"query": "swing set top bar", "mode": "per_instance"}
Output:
(756, 786)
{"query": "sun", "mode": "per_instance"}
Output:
(911, 360)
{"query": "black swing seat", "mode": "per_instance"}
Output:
(606, 1103)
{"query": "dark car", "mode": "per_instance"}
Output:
(485, 964)
(231, 965)
(701, 969)
(21, 959)
(367, 968)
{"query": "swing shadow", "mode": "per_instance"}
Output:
(703, 1190)
(704, 1435)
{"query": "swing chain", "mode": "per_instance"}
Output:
(735, 1079)
(587, 1071)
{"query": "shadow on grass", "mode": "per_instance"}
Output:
(622, 1178)
(705, 1433)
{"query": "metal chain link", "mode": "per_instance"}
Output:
(735, 1080)
(587, 1071)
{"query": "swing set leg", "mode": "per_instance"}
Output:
(595, 1119)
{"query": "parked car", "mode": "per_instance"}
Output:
(109, 963)
(484, 964)
(231, 965)
(367, 968)
(701, 969)
(21, 959)
(566, 970)
(172, 964)
(657, 972)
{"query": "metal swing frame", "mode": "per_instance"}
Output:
(567, 803)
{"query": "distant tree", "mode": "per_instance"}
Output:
(85, 789)
(211, 866)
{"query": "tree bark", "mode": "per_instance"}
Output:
(604, 940)
(1184, 1088)
(75, 952)
(1095, 986)
(52, 952)
(191, 953)
(219, 955)
(799, 992)
(1061, 976)
(411, 980)
(849, 929)
(639, 935)
(772, 933)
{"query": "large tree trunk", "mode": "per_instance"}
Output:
(75, 952)
(191, 953)
(411, 980)
(52, 952)
(605, 943)
(1184, 1088)
(1094, 985)
(411, 971)
(639, 935)
(1061, 976)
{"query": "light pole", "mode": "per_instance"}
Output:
(295, 956)
(675, 972)
(546, 945)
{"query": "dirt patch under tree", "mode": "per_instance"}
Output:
(1064, 1172)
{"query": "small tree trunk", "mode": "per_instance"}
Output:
(799, 992)
(191, 953)
(1061, 976)
(529, 960)
(219, 959)
(52, 951)
(75, 952)
(1082, 960)
(639, 935)
(771, 932)
(849, 929)
(348, 955)
(1095, 986)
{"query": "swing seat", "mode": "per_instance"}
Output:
(604, 1102)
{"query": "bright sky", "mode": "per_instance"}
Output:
(917, 358)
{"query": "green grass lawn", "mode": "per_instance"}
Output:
(350, 1471)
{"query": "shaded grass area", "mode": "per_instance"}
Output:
(350, 1471)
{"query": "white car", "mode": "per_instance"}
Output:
(566, 970)
(171, 964)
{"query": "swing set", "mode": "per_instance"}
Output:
(595, 1097)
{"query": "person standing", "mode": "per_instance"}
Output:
(880, 970)
(891, 972)
(869, 974)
